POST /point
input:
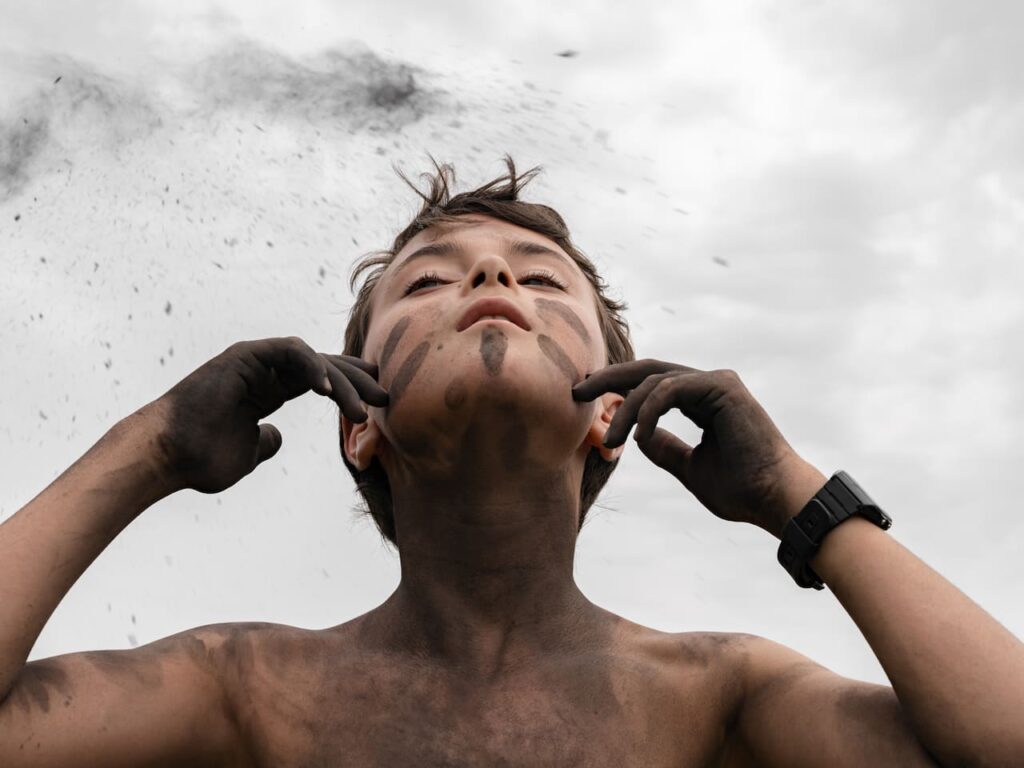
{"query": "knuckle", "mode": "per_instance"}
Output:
(667, 384)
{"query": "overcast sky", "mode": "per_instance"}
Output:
(827, 198)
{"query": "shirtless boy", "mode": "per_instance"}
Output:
(480, 447)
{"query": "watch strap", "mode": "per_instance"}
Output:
(839, 499)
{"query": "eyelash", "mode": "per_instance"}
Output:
(536, 274)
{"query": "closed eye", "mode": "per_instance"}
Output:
(541, 274)
(430, 277)
(433, 277)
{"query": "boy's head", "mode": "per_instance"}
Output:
(406, 315)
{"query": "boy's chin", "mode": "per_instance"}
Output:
(463, 402)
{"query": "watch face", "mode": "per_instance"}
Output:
(855, 489)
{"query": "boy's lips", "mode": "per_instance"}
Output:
(492, 305)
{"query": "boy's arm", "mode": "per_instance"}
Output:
(164, 704)
(160, 703)
(957, 673)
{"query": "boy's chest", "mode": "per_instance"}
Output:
(592, 713)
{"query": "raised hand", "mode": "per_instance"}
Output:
(740, 468)
(208, 423)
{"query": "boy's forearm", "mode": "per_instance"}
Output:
(48, 544)
(958, 673)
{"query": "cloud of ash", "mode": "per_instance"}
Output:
(72, 107)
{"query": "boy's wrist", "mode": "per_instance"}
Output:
(802, 482)
(144, 465)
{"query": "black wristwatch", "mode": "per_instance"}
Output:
(838, 500)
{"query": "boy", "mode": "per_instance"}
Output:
(507, 386)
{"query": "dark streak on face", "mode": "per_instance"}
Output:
(455, 395)
(547, 307)
(393, 338)
(408, 371)
(493, 344)
(557, 355)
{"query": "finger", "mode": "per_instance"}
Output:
(622, 377)
(298, 366)
(669, 393)
(358, 362)
(367, 387)
(624, 417)
(269, 443)
(314, 365)
(346, 396)
(699, 396)
(668, 452)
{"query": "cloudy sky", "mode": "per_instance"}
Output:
(827, 198)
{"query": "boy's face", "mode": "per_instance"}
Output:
(491, 382)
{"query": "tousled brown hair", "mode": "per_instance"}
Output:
(498, 198)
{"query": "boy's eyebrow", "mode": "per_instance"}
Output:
(454, 248)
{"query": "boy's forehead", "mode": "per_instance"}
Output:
(472, 227)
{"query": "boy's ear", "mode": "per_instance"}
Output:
(607, 405)
(361, 440)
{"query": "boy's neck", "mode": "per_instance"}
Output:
(487, 575)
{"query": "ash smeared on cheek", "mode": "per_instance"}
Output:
(408, 371)
(554, 352)
(455, 395)
(493, 344)
(547, 307)
(393, 338)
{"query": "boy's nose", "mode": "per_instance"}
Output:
(491, 270)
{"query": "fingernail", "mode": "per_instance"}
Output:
(327, 384)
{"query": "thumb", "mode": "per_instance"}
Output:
(668, 452)
(270, 442)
